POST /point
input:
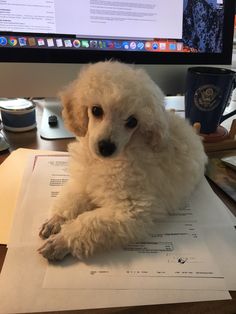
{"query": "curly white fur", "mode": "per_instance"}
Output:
(112, 200)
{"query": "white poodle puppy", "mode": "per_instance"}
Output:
(133, 163)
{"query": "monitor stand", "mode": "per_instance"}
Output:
(53, 128)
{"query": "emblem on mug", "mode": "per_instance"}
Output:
(207, 97)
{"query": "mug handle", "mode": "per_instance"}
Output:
(228, 115)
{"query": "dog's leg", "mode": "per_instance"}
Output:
(68, 205)
(97, 230)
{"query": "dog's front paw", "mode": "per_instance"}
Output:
(52, 226)
(55, 248)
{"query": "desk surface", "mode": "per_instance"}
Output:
(32, 140)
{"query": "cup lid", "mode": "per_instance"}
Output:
(16, 104)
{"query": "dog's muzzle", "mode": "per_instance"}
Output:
(106, 148)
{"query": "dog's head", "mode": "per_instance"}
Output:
(111, 103)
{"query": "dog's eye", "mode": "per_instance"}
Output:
(97, 111)
(131, 122)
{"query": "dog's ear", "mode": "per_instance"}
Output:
(74, 113)
(155, 126)
(154, 120)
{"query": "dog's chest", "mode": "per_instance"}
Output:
(129, 178)
(115, 180)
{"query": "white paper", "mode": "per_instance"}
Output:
(179, 238)
(21, 290)
(174, 257)
(11, 179)
(24, 270)
(46, 174)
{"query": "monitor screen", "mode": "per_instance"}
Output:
(137, 31)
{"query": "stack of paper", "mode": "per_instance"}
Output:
(179, 262)
(11, 176)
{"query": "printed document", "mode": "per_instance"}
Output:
(175, 249)
(178, 262)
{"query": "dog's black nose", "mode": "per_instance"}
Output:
(106, 148)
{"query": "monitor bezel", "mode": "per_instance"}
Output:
(38, 55)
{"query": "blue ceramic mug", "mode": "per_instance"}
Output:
(208, 92)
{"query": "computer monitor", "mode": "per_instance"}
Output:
(43, 43)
